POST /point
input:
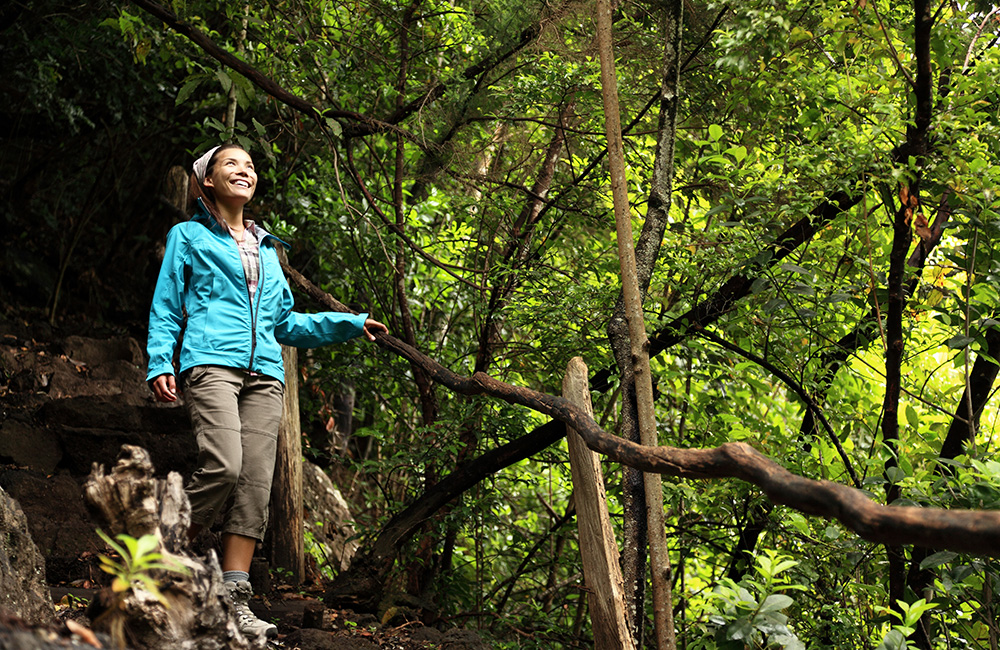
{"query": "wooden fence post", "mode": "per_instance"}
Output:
(598, 548)
(287, 533)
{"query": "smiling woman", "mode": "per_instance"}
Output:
(224, 179)
(222, 272)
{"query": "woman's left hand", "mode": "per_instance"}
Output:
(373, 327)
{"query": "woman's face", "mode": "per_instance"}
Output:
(232, 179)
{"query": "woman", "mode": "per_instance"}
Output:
(221, 285)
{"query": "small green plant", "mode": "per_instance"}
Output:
(749, 613)
(72, 601)
(320, 552)
(908, 619)
(282, 573)
(138, 558)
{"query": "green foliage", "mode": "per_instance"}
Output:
(749, 613)
(909, 616)
(508, 266)
(135, 569)
(138, 558)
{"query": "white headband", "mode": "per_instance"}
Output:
(201, 165)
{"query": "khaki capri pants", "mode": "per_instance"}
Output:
(235, 417)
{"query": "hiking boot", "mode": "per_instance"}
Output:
(239, 594)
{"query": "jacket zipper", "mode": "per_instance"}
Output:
(255, 308)
(250, 299)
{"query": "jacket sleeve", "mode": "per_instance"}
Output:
(166, 316)
(315, 330)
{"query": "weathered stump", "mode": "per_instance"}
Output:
(192, 613)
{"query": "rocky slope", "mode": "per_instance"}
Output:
(70, 402)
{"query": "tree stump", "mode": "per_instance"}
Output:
(193, 613)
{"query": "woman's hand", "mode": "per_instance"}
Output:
(165, 388)
(372, 327)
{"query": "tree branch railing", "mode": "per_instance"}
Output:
(965, 531)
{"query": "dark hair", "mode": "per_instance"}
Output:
(207, 194)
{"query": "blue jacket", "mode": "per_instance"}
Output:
(202, 274)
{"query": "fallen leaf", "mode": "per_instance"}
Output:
(84, 633)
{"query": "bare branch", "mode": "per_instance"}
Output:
(966, 531)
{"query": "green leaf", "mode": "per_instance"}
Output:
(224, 79)
(259, 128)
(794, 268)
(107, 540)
(186, 90)
(714, 132)
(132, 544)
(895, 474)
(739, 629)
(959, 341)
(739, 152)
(914, 611)
(775, 602)
(146, 545)
(894, 640)
(798, 522)
(334, 126)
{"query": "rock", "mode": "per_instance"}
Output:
(87, 367)
(43, 639)
(22, 569)
(95, 352)
(310, 639)
(92, 430)
(100, 367)
(16, 634)
(327, 517)
(57, 519)
(397, 616)
(27, 445)
(427, 635)
(459, 638)
(14, 328)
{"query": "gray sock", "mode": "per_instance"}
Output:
(235, 576)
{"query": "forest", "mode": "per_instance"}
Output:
(810, 193)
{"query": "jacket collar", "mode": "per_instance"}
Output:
(205, 218)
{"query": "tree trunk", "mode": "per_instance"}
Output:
(909, 207)
(287, 532)
(659, 558)
(634, 527)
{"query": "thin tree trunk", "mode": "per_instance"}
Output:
(231, 100)
(659, 557)
(915, 147)
(634, 527)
